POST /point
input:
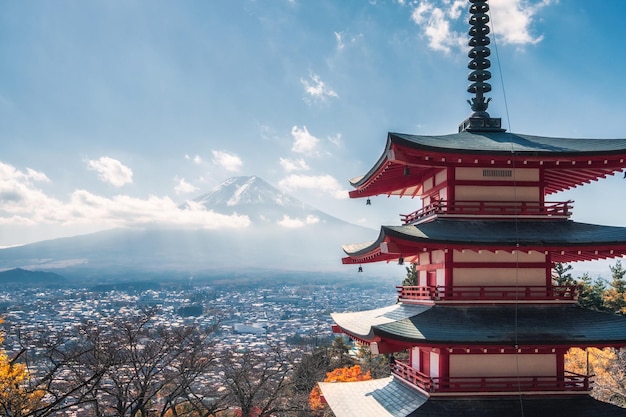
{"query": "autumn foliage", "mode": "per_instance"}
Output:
(16, 399)
(608, 368)
(345, 374)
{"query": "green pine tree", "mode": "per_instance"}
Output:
(411, 276)
(591, 292)
(615, 295)
(561, 275)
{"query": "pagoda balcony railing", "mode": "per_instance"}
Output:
(534, 209)
(569, 382)
(488, 293)
(405, 372)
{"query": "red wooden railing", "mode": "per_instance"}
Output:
(404, 371)
(488, 293)
(568, 382)
(491, 208)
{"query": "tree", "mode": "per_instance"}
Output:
(258, 382)
(608, 366)
(615, 295)
(344, 374)
(313, 368)
(561, 275)
(591, 292)
(339, 352)
(127, 367)
(149, 368)
(411, 279)
(17, 396)
(376, 365)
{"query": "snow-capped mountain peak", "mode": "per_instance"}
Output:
(238, 191)
(256, 198)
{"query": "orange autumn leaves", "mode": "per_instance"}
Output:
(345, 374)
(608, 369)
(16, 399)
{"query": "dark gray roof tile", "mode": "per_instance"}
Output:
(566, 325)
(505, 142)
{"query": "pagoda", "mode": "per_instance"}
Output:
(485, 328)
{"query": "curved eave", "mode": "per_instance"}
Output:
(449, 326)
(566, 241)
(508, 325)
(360, 325)
(388, 397)
(567, 163)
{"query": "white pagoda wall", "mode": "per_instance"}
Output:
(473, 190)
(414, 358)
(513, 272)
(427, 261)
(434, 365)
(470, 365)
(477, 174)
(496, 193)
(432, 358)
(499, 276)
(435, 185)
(497, 256)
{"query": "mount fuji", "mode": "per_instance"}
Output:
(261, 202)
(281, 234)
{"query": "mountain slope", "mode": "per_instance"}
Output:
(264, 204)
(21, 277)
(284, 234)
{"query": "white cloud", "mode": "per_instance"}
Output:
(457, 8)
(317, 89)
(17, 189)
(339, 39)
(111, 170)
(196, 159)
(326, 184)
(344, 39)
(227, 161)
(291, 165)
(33, 175)
(22, 203)
(304, 142)
(335, 140)
(512, 20)
(10, 175)
(123, 210)
(183, 187)
(436, 24)
(311, 219)
(288, 222)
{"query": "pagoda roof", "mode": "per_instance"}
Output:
(388, 397)
(566, 240)
(383, 397)
(502, 325)
(566, 162)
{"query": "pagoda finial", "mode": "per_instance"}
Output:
(479, 64)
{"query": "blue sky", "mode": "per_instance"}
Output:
(114, 113)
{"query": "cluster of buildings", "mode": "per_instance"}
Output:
(250, 316)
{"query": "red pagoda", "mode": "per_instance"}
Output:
(485, 328)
